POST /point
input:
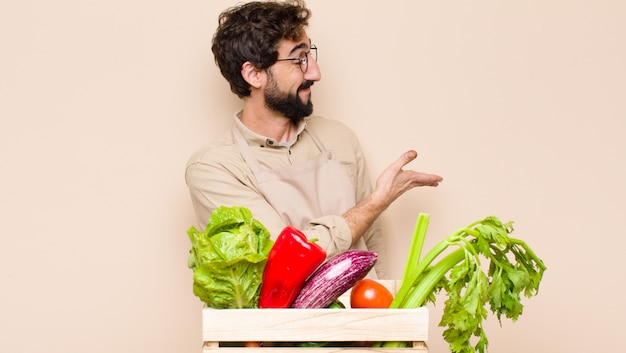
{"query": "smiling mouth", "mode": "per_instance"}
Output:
(306, 85)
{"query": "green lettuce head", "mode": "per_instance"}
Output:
(228, 259)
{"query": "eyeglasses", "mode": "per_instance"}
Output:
(303, 60)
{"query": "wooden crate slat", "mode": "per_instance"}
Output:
(315, 324)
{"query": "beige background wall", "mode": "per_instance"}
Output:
(518, 104)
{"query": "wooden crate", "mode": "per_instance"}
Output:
(338, 326)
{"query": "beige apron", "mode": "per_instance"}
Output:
(305, 191)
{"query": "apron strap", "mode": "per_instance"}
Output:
(245, 150)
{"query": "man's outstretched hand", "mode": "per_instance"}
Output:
(391, 184)
(395, 181)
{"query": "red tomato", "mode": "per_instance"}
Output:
(368, 293)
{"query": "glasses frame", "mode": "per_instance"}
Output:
(303, 61)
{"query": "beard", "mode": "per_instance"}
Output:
(290, 105)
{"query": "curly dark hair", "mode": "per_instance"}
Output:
(251, 32)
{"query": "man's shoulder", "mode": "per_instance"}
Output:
(215, 152)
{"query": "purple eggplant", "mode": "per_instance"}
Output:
(334, 278)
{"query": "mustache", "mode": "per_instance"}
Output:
(306, 85)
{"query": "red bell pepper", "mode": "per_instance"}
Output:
(290, 262)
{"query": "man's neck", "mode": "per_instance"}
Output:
(267, 123)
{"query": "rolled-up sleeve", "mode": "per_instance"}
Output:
(332, 232)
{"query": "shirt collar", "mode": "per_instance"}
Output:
(255, 139)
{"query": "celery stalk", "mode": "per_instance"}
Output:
(419, 235)
(409, 283)
(431, 279)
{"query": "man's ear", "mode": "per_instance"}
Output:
(255, 77)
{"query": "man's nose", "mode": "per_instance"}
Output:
(313, 72)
